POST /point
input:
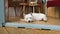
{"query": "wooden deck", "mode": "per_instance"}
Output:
(51, 21)
(11, 30)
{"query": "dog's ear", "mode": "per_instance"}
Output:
(31, 13)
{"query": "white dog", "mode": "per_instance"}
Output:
(35, 16)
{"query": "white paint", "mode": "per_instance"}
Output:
(38, 26)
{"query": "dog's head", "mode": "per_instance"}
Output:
(28, 18)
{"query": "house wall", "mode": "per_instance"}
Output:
(54, 12)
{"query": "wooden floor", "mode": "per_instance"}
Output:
(51, 21)
(11, 30)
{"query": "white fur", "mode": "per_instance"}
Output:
(35, 16)
(28, 17)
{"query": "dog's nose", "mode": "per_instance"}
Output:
(28, 21)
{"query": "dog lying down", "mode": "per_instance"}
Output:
(35, 16)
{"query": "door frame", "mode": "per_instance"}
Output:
(25, 25)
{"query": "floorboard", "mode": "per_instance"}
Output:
(11, 30)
